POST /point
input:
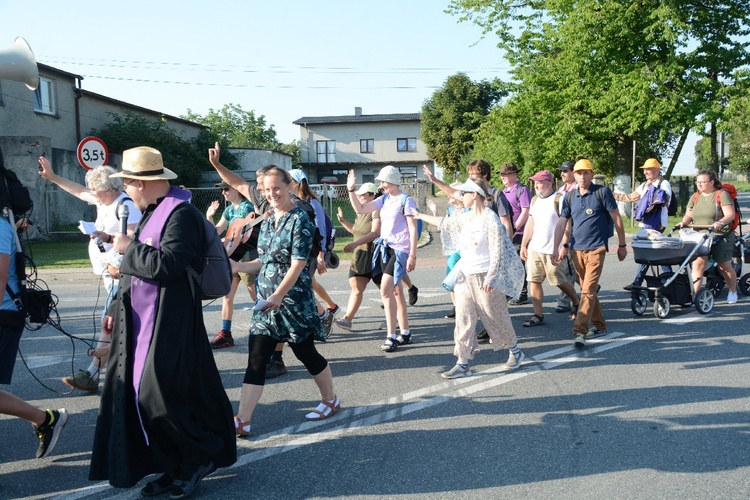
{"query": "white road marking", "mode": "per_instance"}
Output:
(347, 420)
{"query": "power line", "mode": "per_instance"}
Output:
(130, 64)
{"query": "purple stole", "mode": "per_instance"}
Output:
(144, 292)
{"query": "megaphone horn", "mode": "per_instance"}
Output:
(18, 63)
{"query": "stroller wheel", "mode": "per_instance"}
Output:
(715, 284)
(638, 304)
(745, 284)
(661, 307)
(704, 301)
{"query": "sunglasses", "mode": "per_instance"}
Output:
(224, 189)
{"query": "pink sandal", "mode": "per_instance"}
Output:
(324, 410)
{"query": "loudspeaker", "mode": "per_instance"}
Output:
(18, 63)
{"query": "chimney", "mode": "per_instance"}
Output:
(357, 111)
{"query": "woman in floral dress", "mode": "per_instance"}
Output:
(288, 313)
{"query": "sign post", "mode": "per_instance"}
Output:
(92, 153)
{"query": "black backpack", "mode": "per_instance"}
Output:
(13, 194)
(672, 207)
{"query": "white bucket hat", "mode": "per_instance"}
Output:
(389, 174)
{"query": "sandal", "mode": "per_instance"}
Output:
(536, 320)
(575, 311)
(158, 486)
(389, 345)
(403, 339)
(241, 428)
(325, 409)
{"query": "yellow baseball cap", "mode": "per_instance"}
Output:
(582, 164)
(652, 163)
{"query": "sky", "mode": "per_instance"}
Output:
(284, 59)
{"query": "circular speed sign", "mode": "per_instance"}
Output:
(92, 153)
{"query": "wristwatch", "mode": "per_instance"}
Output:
(566, 245)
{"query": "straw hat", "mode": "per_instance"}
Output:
(145, 164)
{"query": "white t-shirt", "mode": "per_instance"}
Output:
(475, 249)
(544, 212)
(107, 221)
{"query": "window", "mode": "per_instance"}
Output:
(44, 97)
(406, 144)
(368, 178)
(326, 151)
(367, 145)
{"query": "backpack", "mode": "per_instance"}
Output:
(13, 194)
(499, 198)
(215, 280)
(599, 193)
(672, 207)
(732, 192)
(330, 234)
(404, 198)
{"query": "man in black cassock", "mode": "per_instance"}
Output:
(163, 408)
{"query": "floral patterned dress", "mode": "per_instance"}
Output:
(297, 318)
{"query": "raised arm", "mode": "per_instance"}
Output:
(442, 186)
(351, 185)
(77, 190)
(234, 180)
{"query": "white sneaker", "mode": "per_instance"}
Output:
(457, 372)
(732, 298)
(513, 362)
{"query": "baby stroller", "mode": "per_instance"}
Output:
(664, 289)
(741, 253)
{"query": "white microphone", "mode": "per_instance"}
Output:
(123, 212)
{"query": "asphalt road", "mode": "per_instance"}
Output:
(655, 409)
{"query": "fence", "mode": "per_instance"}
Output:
(63, 211)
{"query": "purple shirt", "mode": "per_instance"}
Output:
(393, 227)
(524, 201)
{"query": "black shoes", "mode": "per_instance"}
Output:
(49, 433)
(183, 488)
(413, 295)
(452, 314)
(275, 368)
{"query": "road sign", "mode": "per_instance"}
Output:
(92, 153)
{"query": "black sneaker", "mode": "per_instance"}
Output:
(413, 295)
(275, 369)
(519, 301)
(483, 337)
(452, 314)
(49, 433)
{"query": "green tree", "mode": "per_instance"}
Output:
(186, 157)
(589, 77)
(237, 128)
(452, 116)
(737, 125)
